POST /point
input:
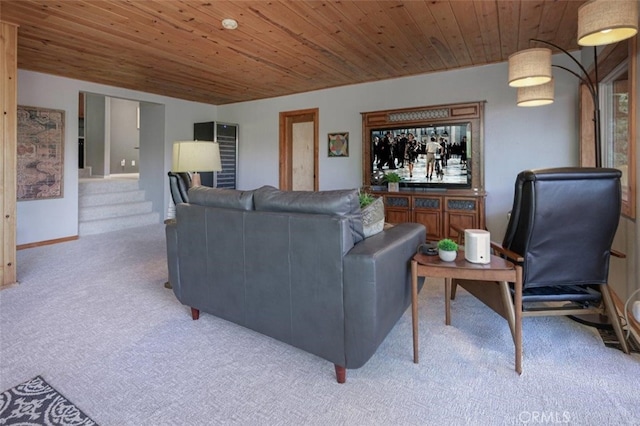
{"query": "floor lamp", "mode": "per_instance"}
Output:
(600, 22)
(194, 157)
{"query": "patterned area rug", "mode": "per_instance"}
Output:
(35, 402)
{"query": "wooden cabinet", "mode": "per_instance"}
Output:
(436, 211)
(226, 134)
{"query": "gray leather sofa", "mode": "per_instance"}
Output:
(294, 266)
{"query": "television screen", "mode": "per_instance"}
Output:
(432, 156)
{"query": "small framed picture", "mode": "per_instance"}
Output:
(339, 144)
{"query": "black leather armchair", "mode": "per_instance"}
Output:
(179, 184)
(560, 231)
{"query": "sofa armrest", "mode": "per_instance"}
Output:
(377, 288)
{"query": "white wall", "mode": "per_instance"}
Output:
(125, 136)
(95, 132)
(515, 138)
(45, 220)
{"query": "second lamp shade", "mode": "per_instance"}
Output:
(536, 95)
(530, 67)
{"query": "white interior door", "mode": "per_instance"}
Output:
(303, 157)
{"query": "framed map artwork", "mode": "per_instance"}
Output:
(40, 153)
(339, 144)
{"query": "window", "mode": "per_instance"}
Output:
(615, 97)
(617, 118)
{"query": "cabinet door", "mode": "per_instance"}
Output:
(462, 212)
(397, 208)
(428, 211)
(397, 216)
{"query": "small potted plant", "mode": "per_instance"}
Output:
(393, 181)
(447, 250)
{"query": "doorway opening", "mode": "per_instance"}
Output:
(121, 163)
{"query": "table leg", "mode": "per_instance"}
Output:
(447, 301)
(414, 308)
(518, 320)
(508, 309)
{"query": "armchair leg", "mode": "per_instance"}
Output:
(612, 313)
(509, 310)
(341, 373)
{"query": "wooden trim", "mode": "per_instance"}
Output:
(47, 242)
(8, 151)
(629, 208)
(587, 131)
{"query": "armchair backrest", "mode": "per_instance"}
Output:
(179, 184)
(563, 223)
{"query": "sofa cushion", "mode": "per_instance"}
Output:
(343, 203)
(373, 218)
(221, 197)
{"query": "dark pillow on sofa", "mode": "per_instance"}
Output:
(221, 197)
(337, 202)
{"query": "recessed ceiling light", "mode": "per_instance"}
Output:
(229, 24)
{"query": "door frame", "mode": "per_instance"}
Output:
(8, 152)
(287, 120)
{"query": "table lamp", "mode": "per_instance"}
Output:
(194, 157)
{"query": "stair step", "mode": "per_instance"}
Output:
(87, 213)
(105, 198)
(100, 226)
(112, 204)
(84, 173)
(101, 186)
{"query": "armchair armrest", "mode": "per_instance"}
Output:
(617, 253)
(510, 255)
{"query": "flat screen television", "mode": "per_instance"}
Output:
(403, 150)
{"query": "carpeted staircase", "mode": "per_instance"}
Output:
(112, 204)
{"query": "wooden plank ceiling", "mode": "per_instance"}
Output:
(178, 48)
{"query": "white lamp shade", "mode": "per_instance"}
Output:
(530, 67)
(196, 156)
(536, 95)
(605, 22)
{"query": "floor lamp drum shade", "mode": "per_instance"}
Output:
(530, 67)
(605, 22)
(196, 156)
(541, 94)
